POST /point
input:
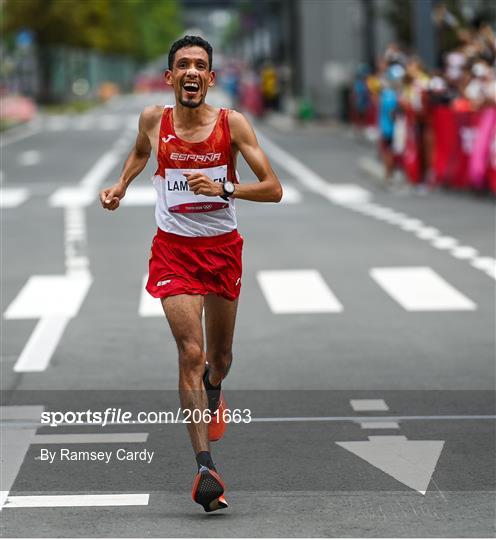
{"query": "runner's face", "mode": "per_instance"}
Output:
(190, 76)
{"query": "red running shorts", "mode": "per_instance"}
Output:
(195, 265)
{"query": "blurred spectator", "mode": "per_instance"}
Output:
(439, 126)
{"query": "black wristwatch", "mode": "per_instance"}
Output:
(228, 188)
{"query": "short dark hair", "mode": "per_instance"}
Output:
(190, 41)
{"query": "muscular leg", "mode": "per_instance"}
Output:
(184, 313)
(220, 317)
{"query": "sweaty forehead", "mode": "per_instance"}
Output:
(191, 53)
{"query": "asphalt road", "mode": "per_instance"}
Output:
(364, 349)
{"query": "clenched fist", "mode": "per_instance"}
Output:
(110, 197)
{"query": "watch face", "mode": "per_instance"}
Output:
(229, 187)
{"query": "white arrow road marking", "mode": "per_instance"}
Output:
(410, 462)
(12, 197)
(54, 300)
(421, 289)
(114, 499)
(149, 306)
(297, 291)
(14, 444)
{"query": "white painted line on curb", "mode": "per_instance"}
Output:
(297, 291)
(45, 501)
(368, 405)
(77, 438)
(420, 289)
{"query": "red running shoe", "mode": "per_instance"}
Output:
(208, 490)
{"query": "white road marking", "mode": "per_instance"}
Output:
(275, 419)
(411, 224)
(487, 264)
(464, 252)
(54, 300)
(420, 289)
(44, 501)
(445, 242)
(379, 425)
(369, 405)
(290, 195)
(29, 158)
(49, 296)
(110, 122)
(100, 438)
(347, 193)
(410, 462)
(19, 134)
(57, 123)
(140, 196)
(427, 233)
(14, 444)
(149, 306)
(297, 291)
(12, 197)
(85, 193)
(83, 123)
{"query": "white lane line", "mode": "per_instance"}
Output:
(76, 259)
(420, 289)
(29, 158)
(346, 194)
(379, 425)
(140, 196)
(445, 242)
(12, 197)
(77, 438)
(369, 405)
(487, 264)
(464, 252)
(269, 419)
(109, 122)
(297, 291)
(44, 501)
(148, 305)
(360, 419)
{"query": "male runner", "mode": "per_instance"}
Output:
(195, 262)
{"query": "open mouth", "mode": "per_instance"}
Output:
(191, 88)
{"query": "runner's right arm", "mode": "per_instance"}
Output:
(135, 163)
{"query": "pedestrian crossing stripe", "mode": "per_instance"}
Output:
(420, 289)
